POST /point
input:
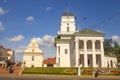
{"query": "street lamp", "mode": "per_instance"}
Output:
(79, 60)
(79, 70)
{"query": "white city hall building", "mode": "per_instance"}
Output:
(33, 56)
(84, 47)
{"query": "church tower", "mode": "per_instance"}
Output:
(62, 41)
(67, 25)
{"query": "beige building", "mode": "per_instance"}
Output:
(6, 54)
(33, 56)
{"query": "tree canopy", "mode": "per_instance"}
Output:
(112, 48)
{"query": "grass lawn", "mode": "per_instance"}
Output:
(50, 70)
(69, 71)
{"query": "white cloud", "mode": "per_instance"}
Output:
(1, 26)
(116, 38)
(20, 49)
(30, 18)
(48, 8)
(15, 38)
(100, 31)
(2, 11)
(46, 41)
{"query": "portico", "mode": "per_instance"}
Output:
(90, 51)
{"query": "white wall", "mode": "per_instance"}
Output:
(108, 60)
(38, 58)
(64, 58)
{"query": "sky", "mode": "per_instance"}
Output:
(23, 20)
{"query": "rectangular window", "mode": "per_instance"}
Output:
(32, 50)
(68, 29)
(66, 51)
(32, 58)
(59, 49)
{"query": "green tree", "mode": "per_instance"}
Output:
(108, 46)
(117, 51)
(112, 48)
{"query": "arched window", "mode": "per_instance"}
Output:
(89, 44)
(97, 44)
(81, 44)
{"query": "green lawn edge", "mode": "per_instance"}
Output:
(63, 71)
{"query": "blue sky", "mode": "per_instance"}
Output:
(23, 20)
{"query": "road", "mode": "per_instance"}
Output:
(56, 77)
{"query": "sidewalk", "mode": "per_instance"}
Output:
(48, 75)
(65, 77)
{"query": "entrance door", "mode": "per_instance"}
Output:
(111, 64)
(49, 65)
(98, 60)
(90, 60)
(82, 59)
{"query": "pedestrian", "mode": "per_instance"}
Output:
(96, 74)
(11, 69)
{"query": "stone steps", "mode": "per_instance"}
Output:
(17, 71)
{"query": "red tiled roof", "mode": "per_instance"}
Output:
(49, 61)
(2, 47)
(8, 49)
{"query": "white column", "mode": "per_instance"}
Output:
(85, 54)
(94, 54)
(57, 57)
(102, 54)
(76, 53)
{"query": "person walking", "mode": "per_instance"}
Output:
(11, 69)
(96, 73)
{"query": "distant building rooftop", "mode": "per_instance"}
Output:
(49, 61)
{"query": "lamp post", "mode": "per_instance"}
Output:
(79, 60)
(79, 70)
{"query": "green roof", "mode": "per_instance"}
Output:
(88, 32)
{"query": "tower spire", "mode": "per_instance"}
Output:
(67, 9)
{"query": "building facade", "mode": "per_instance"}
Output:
(6, 54)
(33, 56)
(83, 47)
